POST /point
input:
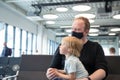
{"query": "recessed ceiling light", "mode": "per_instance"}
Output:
(116, 16)
(50, 16)
(50, 22)
(111, 34)
(93, 30)
(61, 9)
(81, 8)
(85, 15)
(115, 29)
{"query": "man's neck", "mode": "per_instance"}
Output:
(85, 40)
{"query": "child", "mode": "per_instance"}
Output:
(73, 69)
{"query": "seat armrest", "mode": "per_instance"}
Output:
(13, 76)
(9, 77)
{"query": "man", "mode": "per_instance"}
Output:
(6, 51)
(92, 54)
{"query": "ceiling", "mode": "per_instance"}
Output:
(103, 15)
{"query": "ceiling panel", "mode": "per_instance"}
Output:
(104, 19)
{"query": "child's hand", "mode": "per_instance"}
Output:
(51, 73)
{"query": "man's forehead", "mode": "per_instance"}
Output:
(78, 25)
(78, 22)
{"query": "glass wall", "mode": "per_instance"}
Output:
(52, 46)
(17, 49)
(24, 42)
(20, 41)
(2, 36)
(107, 42)
(29, 44)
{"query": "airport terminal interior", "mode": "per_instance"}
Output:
(36, 27)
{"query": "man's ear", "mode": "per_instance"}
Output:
(87, 31)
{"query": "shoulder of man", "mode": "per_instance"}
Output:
(93, 43)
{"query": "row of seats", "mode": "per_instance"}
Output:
(7, 65)
(33, 67)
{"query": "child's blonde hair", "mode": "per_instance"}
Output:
(74, 44)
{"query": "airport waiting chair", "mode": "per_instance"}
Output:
(32, 67)
(113, 64)
(13, 62)
(12, 68)
(114, 67)
(3, 66)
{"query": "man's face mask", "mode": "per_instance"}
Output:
(77, 34)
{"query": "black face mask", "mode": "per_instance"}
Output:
(77, 34)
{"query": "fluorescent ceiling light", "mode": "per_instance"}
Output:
(111, 34)
(115, 29)
(89, 16)
(81, 8)
(91, 21)
(60, 33)
(68, 30)
(93, 34)
(65, 26)
(18, 0)
(61, 9)
(116, 16)
(34, 18)
(93, 30)
(50, 22)
(95, 26)
(50, 16)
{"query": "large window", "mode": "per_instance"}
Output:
(34, 44)
(24, 37)
(17, 52)
(10, 37)
(52, 46)
(29, 43)
(2, 36)
(20, 41)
